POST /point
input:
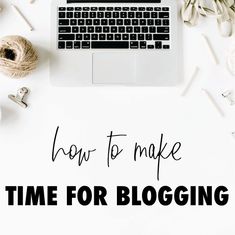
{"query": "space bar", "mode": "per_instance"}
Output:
(110, 45)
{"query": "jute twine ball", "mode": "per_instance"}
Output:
(18, 58)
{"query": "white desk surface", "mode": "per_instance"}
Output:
(87, 115)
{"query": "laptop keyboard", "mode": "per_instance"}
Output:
(114, 28)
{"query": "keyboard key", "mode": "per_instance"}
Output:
(158, 45)
(143, 22)
(166, 46)
(92, 14)
(104, 22)
(73, 22)
(152, 29)
(166, 22)
(91, 29)
(146, 15)
(94, 8)
(77, 14)
(135, 22)
(125, 37)
(121, 29)
(69, 45)
(106, 29)
(157, 8)
(76, 45)
(61, 45)
(98, 29)
(117, 8)
(133, 37)
(123, 14)
(61, 14)
(136, 29)
(125, 8)
(81, 22)
(78, 8)
(79, 37)
(85, 14)
(70, 8)
(115, 14)
(117, 36)
(110, 45)
(109, 36)
(62, 8)
(69, 15)
(64, 29)
(158, 22)
(82, 29)
(108, 15)
(127, 22)
(109, 8)
(163, 29)
(87, 37)
(75, 29)
(102, 37)
(161, 37)
(143, 45)
(114, 29)
(94, 37)
(111, 22)
(148, 37)
(163, 14)
(133, 8)
(86, 9)
(150, 22)
(96, 22)
(141, 8)
(165, 9)
(85, 45)
(138, 14)
(140, 37)
(134, 45)
(88, 22)
(66, 37)
(149, 8)
(100, 14)
(153, 14)
(131, 14)
(101, 8)
(144, 29)
(63, 22)
(129, 29)
(119, 22)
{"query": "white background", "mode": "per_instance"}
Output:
(87, 115)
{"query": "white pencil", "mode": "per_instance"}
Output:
(193, 76)
(210, 49)
(16, 9)
(210, 97)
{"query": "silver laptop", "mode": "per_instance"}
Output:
(108, 42)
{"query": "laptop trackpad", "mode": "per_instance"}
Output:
(114, 68)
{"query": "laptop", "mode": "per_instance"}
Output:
(115, 42)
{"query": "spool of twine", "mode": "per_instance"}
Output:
(18, 58)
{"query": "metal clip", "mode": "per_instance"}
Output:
(19, 97)
(229, 96)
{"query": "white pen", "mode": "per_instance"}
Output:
(15, 8)
(213, 102)
(193, 76)
(210, 49)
